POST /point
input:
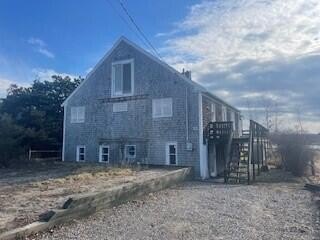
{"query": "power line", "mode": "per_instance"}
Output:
(127, 23)
(139, 29)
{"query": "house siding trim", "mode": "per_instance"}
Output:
(64, 133)
(203, 148)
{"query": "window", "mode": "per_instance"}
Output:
(224, 113)
(130, 151)
(213, 112)
(120, 107)
(81, 153)
(162, 107)
(171, 153)
(122, 78)
(77, 114)
(233, 119)
(103, 153)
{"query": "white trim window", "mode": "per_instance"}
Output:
(130, 151)
(104, 153)
(233, 119)
(122, 78)
(81, 153)
(162, 107)
(77, 114)
(213, 112)
(224, 113)
(172, 153)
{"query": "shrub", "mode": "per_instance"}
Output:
(12, 136)
(295, 154)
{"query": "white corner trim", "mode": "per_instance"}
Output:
(64, 133)
(203, 148)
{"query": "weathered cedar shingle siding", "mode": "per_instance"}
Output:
(136, 126)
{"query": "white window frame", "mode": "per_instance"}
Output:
(168, 144)
(135, 151)
(78, 153)
(121, 94)
(233, 119)
(161, 102)
(224, 114)
(120, 107)
(75, 114)
(101, 147)
(213, 112)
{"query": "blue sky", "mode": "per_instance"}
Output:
(263, 56)
(70, 36)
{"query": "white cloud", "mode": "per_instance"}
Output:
(46, 74)
(253, 50)
(41, 47)
(5, 84)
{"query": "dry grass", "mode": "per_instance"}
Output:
(27, 192)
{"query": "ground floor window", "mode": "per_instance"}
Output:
(171, 152)
(130, 151)
(103, 153)
(81, 153)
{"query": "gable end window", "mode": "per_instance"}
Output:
(122, 78)
(162, 107)
(77, 114)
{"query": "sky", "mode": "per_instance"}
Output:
(263, 56)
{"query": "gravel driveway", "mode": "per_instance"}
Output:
(199, 210)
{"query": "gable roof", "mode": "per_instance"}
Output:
(168, 67)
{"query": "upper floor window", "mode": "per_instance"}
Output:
(162, 107)
(233, 119)
(122, 78)
(77, 114)
(224, 113)
(213, 112)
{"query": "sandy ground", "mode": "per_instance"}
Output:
(275, 208)
(26, 193)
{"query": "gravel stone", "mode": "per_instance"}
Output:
(204, 210)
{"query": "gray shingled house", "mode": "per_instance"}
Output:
(134, 107)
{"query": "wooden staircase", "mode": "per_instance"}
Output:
(243, 156)
(238, 168)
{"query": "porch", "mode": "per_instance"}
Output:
(236, 158)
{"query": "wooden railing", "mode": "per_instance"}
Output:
(218, 131)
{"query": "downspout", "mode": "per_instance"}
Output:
(187, 117)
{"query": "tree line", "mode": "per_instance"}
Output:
(32, 117)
